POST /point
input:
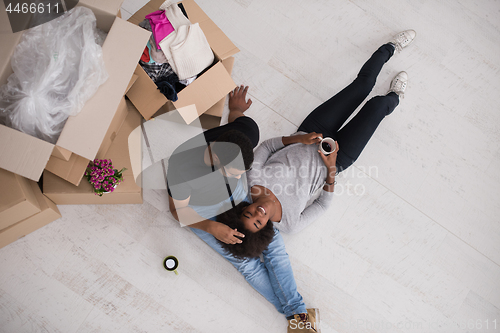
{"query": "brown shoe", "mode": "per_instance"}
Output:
(305, 322)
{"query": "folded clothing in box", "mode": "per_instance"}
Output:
(185, 50)
(210, 86)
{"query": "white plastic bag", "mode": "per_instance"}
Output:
(57, 67)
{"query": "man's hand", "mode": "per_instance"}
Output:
(225, 234)
(310, 138)
(307, 139)
(237, 99)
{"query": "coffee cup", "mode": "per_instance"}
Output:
(327, 146)
(171, 263)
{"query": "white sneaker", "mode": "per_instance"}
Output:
(403, 39)
(399, 83)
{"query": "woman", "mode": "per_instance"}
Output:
(287, 171)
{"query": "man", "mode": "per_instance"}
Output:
(206, 176)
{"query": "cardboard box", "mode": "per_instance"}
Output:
(71, 169)
(48, 213)
(82, 134)
(206, 90)
(212, 117)
(127, 192)
(17, 199)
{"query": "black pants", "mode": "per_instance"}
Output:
(332, 114)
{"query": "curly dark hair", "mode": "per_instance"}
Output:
(254, 243)
(229, 145)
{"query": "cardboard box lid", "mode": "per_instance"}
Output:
(218, 108)
(109, 6)
(207, 93)
(17, 199)
(145, 95)
(23, 154)
(120, 115)
(71, 171)
(84, 132)
(61, 153)
(7, 40)
(116, 124)
(132, 81)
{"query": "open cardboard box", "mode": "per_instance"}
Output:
(117, 121)
(213, 116)
(17, 199)
(48, 213)
(206, 91)
(73, 169)
(83, 134)
(124, 151)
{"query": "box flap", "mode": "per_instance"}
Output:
(17, 200)
(131, 83)
(209, 87)
(8, 41)
(71, 171)
(22, 154)
(84, 133)
(61, 153)
(209, 122)
(109, 6)
(219, 42)
(116, 124)
(151, 6)
(218, 108)
(144, 94)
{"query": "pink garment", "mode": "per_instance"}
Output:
(160, 26)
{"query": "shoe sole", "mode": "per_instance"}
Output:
(317, 316)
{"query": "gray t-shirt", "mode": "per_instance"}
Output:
(293, 173)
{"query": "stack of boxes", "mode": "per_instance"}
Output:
(23, 207)
(102, 129)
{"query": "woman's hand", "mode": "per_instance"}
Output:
(330, 159)
(310, 138)
(225, 234)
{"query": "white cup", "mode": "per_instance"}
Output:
(327, 143)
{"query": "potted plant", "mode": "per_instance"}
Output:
(103, 177)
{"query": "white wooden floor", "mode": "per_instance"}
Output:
(411, 243)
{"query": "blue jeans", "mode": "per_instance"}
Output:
(272, 278)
